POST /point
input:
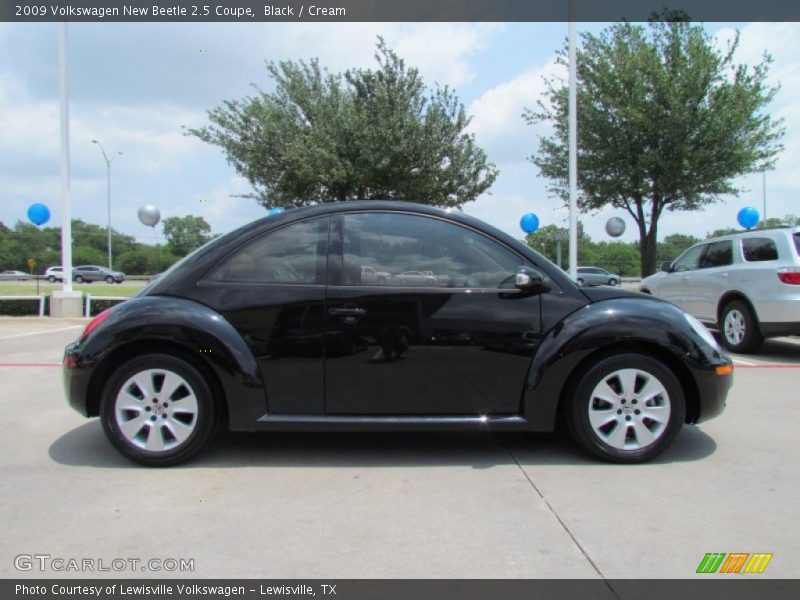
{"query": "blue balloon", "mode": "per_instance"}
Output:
(529, 223)
(274, 211)
(38, 214)
(748, 217)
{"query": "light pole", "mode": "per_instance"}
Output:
(108, 170)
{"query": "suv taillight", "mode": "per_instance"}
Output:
(95, 323)
(789, 275)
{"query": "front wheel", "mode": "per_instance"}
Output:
(580, 282)
(740, 332)
(51, 279)
(626, 408)
(612, 282)
(157, 410)
(109, 280)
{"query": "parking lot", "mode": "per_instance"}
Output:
(475, 505)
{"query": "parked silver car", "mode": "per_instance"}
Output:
(595, 276)
(89, 273)
(747, 285)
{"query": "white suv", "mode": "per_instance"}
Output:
(746, 284)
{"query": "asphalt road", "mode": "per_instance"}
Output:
(397, 505)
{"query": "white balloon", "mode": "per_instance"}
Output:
(615, 227)
(149, 215)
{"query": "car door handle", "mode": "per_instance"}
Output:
(722, 275)
(347, 312)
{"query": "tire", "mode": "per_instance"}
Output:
(51, 279)
(197, 417)
(78, 279)
(608, 417)
(109, 280)
(612, 282)
(739, 328)
(580, 282)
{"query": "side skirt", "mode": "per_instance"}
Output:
(283, 422)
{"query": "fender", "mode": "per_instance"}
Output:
(614, 324)
(153, 322)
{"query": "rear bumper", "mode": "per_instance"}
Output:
(75, 376)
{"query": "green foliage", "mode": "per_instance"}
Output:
(665, 122)
(184, 234)
(365, 134)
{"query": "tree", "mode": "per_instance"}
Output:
(184, 234)
(365, 134)
(665, 122)
(674, 245)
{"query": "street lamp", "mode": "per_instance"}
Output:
(108, 167)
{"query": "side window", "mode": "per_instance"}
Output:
(295, 254)
(688, 261)
(759, 249)
(718, 254)
(399, 250)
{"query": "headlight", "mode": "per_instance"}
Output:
(702, 331)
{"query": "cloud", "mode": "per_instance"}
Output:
(497, 114)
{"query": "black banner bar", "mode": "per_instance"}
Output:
(390, 10)
(702, 588)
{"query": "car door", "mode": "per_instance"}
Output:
(460, 346)
(272, 290)
(711, 279)
(678, 284)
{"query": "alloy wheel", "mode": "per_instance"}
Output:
(629, 409)
(156, 410)
(734, 327)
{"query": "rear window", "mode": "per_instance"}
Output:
(797, 243)
(759, 249)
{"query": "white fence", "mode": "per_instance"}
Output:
(40, 298)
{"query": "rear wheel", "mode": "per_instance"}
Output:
(78, 279)
(51, 279)
(158, 410)
(739, 328)
(626, 408)
(580, 282)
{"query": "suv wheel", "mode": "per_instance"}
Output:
(739, 328)
(627, 408)
(157, 410)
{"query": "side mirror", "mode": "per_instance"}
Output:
(531, 280)
(666, 266)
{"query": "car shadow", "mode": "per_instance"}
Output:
(86, 446)
(774, 351)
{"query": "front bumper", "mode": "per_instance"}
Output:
(712, 393)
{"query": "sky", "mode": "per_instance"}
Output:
(136, 86)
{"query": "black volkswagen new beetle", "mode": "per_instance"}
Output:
(309, 320)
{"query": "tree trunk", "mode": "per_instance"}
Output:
(647, 248)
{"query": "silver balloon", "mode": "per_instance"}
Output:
(149, 215)
(615, 227)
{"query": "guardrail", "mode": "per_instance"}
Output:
(88, 309)
(40, 298)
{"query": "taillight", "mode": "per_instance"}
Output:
(789, 275)
(96, 322)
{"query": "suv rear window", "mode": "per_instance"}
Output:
(796, 237)
(760, 249)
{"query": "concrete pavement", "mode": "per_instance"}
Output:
(396, 505)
